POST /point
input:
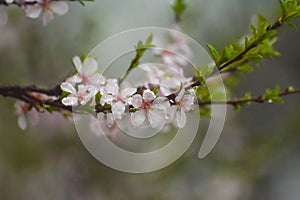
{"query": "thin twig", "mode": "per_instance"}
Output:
(240, 56)
(241, 101)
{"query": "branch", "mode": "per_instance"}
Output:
(26, 94)
(24, 3)
(240, 56)
(258, 99)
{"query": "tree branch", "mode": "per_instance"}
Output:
(240, 56)
(257, 99)
(26, 94)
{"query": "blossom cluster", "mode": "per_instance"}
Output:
(26, 113)
(160, 101)
(148, 104)
(34, 8)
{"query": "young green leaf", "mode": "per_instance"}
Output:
(214, 53)
(272, 95)
(179, 7)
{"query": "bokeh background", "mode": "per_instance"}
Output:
(257, 156)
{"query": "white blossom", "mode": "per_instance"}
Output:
(169, 79)
(184, 102)
(77, 97)
(117, 97)
(48, 8)
(25, 115)
(149, 109)
(103, 125)
(86, 73)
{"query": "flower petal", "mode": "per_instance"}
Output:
(161, 103)
(118, 109)
(90, 66)
(156, 118)
(136, 101)
(170, 113)
(138, 118)
(33, 11)
(180, 118)
(68, 87)
(77, 64)
(22, 123)
(47, 17)
(109, 120)
(59, 7)
(148, 95)
(70, 101)
(33, 117)
(74, 79)
(127, 92)
(86, 99)
(112, 87)
(180, 95)
(188, 102)
(106, 99)
(97, 79)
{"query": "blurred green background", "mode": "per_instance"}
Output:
(257, 156)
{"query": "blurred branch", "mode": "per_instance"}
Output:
(24, 3)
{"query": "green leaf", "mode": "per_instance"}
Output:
(140, 49)
(149, 39)
(272, 95)
(290, 9)
(214, 53)
(247, 43)
(245, 68)
(179, 7)
(65, 94)
(293, 26)
(229, 52)
(98, 98)
(247, 98)
(205, 112)
(155, 90)
(50, 109)
(202, 93)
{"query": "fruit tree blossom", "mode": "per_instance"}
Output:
(47, 8)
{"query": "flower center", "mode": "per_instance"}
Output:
(80, 96)
(146, 106)
(84, 78)
(24, 108)
(45, 4)
(119, 98)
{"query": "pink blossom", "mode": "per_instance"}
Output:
(81, 96)
(86, 73)
(103, 125)
(168, 78)
(48, 8)
(184, 102)
(178, 52)
(117, 97)
(149, 108)
(26, 114)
